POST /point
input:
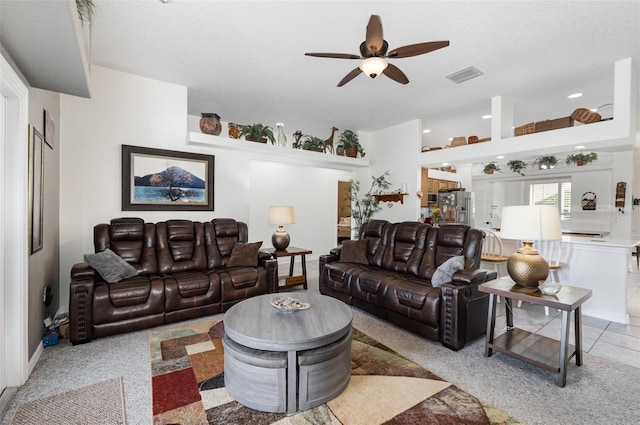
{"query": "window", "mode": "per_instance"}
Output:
(552, 193)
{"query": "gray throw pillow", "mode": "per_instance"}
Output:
(244, 254)
(110, 266)
(445, 271)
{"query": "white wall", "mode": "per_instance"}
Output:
(395, 149)
(128, 109)
(313, 192)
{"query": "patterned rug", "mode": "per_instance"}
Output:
(188, 387)
(99, 404)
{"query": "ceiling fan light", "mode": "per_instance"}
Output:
(374, 66)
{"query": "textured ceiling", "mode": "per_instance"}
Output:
(245, 59)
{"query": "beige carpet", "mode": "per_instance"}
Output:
(97, 404)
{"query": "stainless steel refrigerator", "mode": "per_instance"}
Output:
(457, 207)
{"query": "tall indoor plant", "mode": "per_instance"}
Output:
(363, 204)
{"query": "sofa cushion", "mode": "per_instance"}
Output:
(354, 252)
(110, 266)
(445, 271)
(244, 254)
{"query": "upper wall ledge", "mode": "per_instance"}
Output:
(268, 152)
(614, 135)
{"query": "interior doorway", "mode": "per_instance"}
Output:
(344, 211)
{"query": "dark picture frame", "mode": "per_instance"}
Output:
(36, 188)
(166, 180)
(49, 125)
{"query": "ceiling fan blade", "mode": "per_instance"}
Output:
(374, 39)
(417, 49)
(334, 55)
(350, 76)
(395, 74)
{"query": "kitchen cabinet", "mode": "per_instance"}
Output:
(433, 186)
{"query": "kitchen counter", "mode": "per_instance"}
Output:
(599, 264)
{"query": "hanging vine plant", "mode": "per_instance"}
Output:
(517, 166)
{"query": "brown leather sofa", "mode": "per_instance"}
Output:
(183, 271)
(394, 280)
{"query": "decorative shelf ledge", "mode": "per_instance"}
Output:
(392, 197)
(268, 152)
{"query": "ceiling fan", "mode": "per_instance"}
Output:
(374, 54)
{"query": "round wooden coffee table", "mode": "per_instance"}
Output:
(262, 344)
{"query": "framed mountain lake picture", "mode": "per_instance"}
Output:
(164, 180)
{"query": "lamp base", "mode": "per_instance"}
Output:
(526, 266)
(280, 239)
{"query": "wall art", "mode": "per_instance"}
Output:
(165, 180)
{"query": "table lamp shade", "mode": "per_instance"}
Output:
(529, 223)
(281, 216)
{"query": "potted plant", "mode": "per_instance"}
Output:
(546, 162)
(365, 205)
(491, 167)
(350, 143)
(581, 159)
(517, 166)
(312, 143)
(257, 133)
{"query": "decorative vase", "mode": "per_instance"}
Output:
(210, 123)
(282, 139)
(234, 130)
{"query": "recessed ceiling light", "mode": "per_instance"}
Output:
(594, 109)
(580, 147)
(426, 130)
(279, 124)
(574, 95)
(450, 138)
(486, 117)
(500, 156)
(444, 164)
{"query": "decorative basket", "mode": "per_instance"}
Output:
(585, 116)
(525, 129)
(588, 201)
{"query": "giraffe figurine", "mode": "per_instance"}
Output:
(329, 142)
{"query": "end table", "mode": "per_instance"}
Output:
(292, 252)
(536, 349)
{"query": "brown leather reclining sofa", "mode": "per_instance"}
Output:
(184, 269)
(393, 279)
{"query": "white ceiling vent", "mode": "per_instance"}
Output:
(465, 74)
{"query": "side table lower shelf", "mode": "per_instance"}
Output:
(532, 348)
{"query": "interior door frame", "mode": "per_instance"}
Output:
(15, 227)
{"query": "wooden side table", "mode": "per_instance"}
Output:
(539, 350)
(292, 252)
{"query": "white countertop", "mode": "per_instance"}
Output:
(620, 243)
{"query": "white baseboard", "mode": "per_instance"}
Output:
(33, 361)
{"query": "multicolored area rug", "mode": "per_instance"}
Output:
(188, 387)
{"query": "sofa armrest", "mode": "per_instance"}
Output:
(335, 252)
(82, 271)
(469, 276)
(463, 313)
(81, 306)
(326, 259)
(271, 265)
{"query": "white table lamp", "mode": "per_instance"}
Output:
(529, 223)
(281, 216)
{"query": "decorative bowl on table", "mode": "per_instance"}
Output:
(549, 288)
(288, 304)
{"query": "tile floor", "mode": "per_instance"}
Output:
(599, 337)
